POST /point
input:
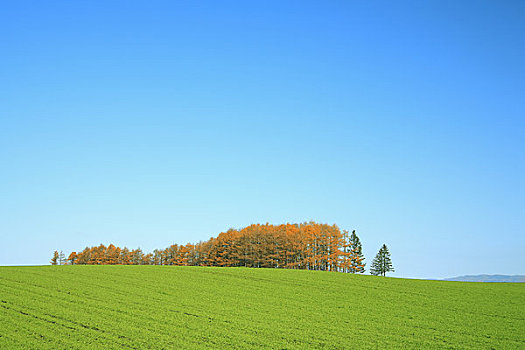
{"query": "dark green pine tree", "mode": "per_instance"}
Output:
(357, 258)
(382, 262)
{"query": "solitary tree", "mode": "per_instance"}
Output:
(382, 262)
(55, 257)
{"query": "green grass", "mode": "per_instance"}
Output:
(140, 307)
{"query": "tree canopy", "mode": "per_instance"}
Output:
(310, 246)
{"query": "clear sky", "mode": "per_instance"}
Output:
(149, 123)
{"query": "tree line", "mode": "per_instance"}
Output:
(307, 246)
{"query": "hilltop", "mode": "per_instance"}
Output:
(221, 308)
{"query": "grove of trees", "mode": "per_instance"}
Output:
(309, 246)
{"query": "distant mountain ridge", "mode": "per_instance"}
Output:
(488, 278)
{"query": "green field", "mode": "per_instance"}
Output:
(165, 307)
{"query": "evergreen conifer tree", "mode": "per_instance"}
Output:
(382, 262)
(357, 264)
(61, 258)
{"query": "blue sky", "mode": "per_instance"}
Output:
(149, 123)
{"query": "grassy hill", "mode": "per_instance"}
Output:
(140, 307)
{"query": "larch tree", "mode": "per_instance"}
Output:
(382, 262)
(55, 257)
(72, 258)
